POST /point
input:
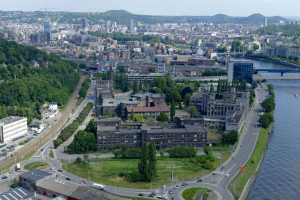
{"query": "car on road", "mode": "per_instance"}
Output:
(199, 180)
(4, 177)
(184, 184)
(60, 170)
(152, 194)
(98, 186)
(68, 179)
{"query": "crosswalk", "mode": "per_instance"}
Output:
(17, 194)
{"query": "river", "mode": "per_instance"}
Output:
(279, 175)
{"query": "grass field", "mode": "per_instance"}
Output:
(36, 165)
(111, 171)
(190, 194)
(241, 180)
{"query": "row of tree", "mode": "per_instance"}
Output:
(84, 88)
(269, 106)
(68, 131)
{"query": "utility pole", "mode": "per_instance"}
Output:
(172, 168)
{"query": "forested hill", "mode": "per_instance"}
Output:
(30, 77)
(124, 17)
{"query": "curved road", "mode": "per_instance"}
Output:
(217, 181)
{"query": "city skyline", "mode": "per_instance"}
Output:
(167, 7)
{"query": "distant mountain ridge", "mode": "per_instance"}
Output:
(218, 18)
(124, 17)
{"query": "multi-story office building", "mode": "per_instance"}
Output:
(116, 134)
(12, 127)
(240, 71)
(48, 31)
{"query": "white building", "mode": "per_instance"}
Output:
(53, 107)
(12, 127)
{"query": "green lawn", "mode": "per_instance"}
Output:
(36, 165)
(190, 194)
(241, 180)
(111, 171)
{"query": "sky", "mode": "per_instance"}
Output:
(162, 7)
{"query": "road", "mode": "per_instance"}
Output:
(38, 144)
(217, 181)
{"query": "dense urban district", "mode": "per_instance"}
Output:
(116, 105)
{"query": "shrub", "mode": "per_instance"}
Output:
(182, 152)
(230, 138)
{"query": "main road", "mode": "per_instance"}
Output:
(220, 179)
(217, 181)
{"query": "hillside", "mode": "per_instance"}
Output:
(124, 17)
(30, 77)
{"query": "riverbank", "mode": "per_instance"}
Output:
(278, 61)
(240, 185)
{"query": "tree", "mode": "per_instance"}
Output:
(187, 99)
(182, 152)
(252, 97)
(266, 119)
(135, 87)
(84, 88)
(147, 163)
(84, 142)
(255, 47)
(152, 161)
(269, 104)
(137, 118)
(24, 86)
(162, 117)
(193, 111)
(172, 111)
(185, 91)
(121, 111)
(236, 46)
(92, 127)
(144, 164)
(230, 138)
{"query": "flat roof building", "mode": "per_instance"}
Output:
(241, 71)
(12, 127)
(111, 135)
